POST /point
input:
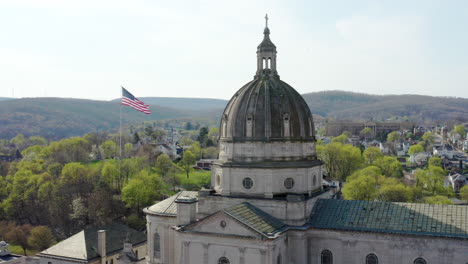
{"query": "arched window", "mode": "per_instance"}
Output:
(223, 260)
(314, 180)
(264, 63)
(420, 261)
(269, 63)
(372, 259)
(218, 180)
(157, 246)
(326, 257)
(279, 259)
(286, 128)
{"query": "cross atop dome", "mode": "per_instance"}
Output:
(266, 20)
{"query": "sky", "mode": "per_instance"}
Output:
(89, 48)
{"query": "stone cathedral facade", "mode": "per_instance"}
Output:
(267, 204)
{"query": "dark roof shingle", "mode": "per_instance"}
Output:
(390, 217)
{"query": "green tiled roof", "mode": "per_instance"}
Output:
(256, 219)
(388, 217)
(168, 206)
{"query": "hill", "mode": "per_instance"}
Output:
(56, 118)
(5, 98)
(357, 106)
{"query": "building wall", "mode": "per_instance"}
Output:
(353, 247)
(266, 182)
(162, 225)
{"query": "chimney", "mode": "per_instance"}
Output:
(186, 210)
(102, 245)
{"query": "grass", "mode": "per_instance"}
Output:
(197, 179)
(15, 249)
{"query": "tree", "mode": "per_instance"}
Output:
(203, 136)
(371, 154)
(393, 136)
(361, 188)
(415, 149)
(188, 160)
(109, 149)
(340, 160)
(437, 199)
(186, 141)
(464, 193)
(36, 140)
(460, 130)
(428, 140)
(128, 150)
(19, 236)
(111, 175)
(343, 139)
(136, 138)
(142, 190)
(389, 166)
(431, 180)
(164, 164)
(435, 161)
(395, 193)
(41, 238)
(366, 132)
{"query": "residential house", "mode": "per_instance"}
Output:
(6, 257)
(456, 181)
(96, 245)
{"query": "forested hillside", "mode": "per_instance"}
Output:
(356, 106)
(56, 118)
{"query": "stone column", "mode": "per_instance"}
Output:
(185, 252)
(205, 252)
(263, 256)
(242, 255)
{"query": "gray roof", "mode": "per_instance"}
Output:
(389, 217)
(168, 206)
(267, 101)
(84, 244)
(256, 219)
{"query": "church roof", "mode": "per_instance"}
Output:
(256, 219)
(168, 206)
(84, 244)
(391, 217)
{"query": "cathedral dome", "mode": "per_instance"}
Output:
(267, 109)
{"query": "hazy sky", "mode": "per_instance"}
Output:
(88, 48)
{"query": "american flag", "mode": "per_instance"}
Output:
(130, 100)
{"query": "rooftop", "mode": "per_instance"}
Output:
(168, 206)
(389, 217)
(84, 244)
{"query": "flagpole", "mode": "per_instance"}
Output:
(121, 124)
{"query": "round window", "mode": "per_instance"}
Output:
(289, 183)
(223, 224)
(247, 183)
(223, 260)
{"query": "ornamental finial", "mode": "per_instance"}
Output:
(266, 20)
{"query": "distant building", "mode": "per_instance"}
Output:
(9, 158)
(6, 257)
(456, 181)
(334, 129)
(204, 164)
(97, 245)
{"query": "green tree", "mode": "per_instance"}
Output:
(37, 140)
(109, 149)
(188, 160)
(340, 160)
(128, 148)
(415, 149)
(111, 175)
(428, 140)
(371, 154)
(464, 193)
(41, 238)
(361, 188)
(343, 139)
(366, 132)
(437, 199)
(393, 136)
(142, 191)
(389, 166)
(431, 180)
(186, 141)
(395, 193)
(136, 138)
(435, 161)
(164, 164)
(460, 130)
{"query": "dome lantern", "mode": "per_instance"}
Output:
(266, 55)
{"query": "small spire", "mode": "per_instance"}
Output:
(266, 20)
